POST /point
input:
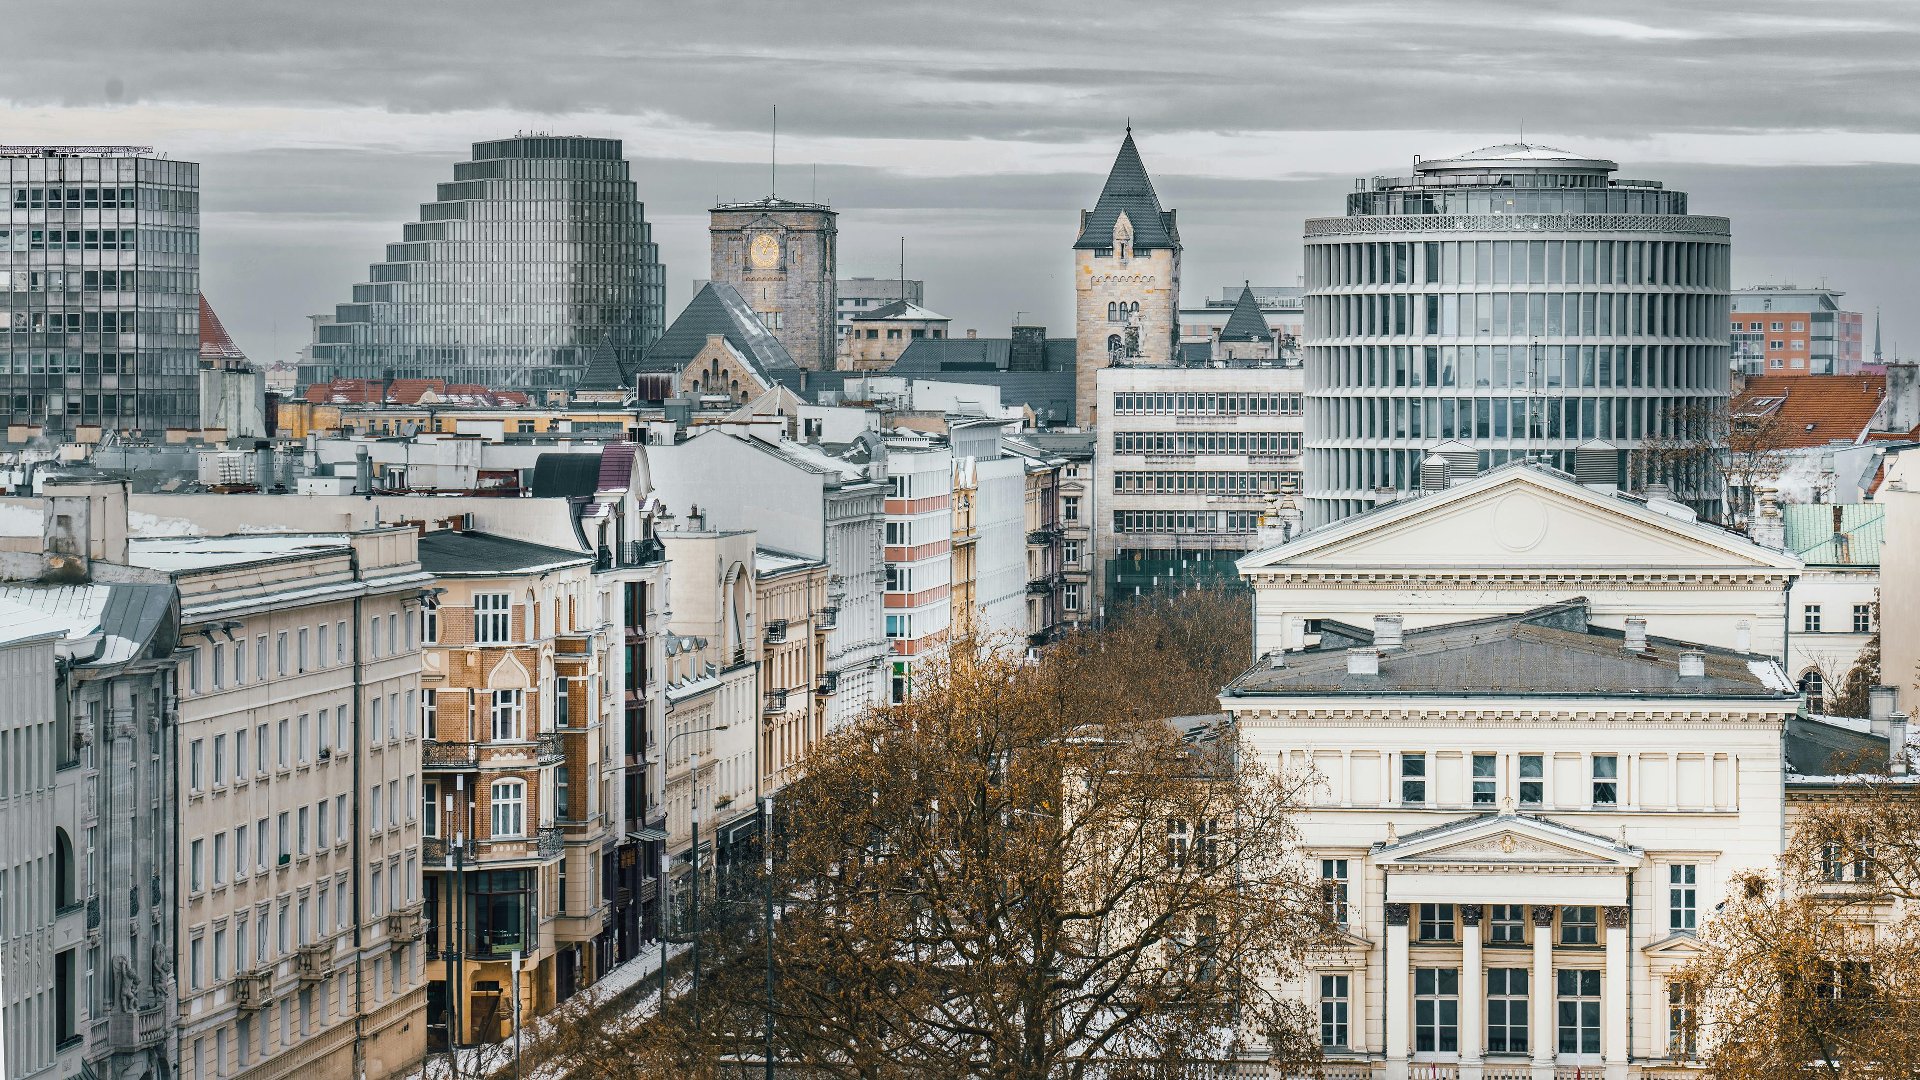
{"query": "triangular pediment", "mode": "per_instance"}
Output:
(1682, 946)
(1506, 840)
(1515, 518)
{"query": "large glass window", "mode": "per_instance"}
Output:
(492, 618)
(508, 800)
(1334, 1004)
(499, 911)
(1485, 784)
(1606, 779)
(1507, 1010)
(509, 715)
(1682, 886)
(1436, 1010)
(1578, 999)
(1533, 779)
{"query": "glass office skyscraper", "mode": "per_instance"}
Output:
(1511, 302)
(99, 290)
(535, 254)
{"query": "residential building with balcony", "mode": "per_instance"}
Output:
(816, 500)
(789, 594)
(919, 553)
(1041, 518)
(102, 906)
(297, 802)
(516, 815)
(711, 672)
(1078, 503)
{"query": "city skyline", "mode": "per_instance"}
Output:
(979, 143)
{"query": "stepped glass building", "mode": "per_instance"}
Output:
(99, 292)
(536, 253)
(1517, 301)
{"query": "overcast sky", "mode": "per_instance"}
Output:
(978, 130)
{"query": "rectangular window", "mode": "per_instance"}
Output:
(1334, 1005)
(1507, 1010)
(1579, 926)
(430, 808)
(1334, 889)
(1436, 922)
(196, 862)
(300, 652)
(492, 618)
(1579, 1010)
(1484, 783)
(1606, 780)
(280, 743)
(429, 701)
(1509, 924)
(1683, 1029)
(509, 710)
(220, 858)
(1436, 1010)
(219, 760)
(1413, 779)
(429, 625)
(1533, 779)
(196, 757)
(280, 653)
(303, 834)
(1863, 618)
(1810, 618)
(374, 719)
(1682, 895)
(240, 851)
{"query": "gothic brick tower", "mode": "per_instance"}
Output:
(1126, 279)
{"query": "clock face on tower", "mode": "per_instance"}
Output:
(764, 252)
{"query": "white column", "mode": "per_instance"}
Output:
(1614, 992)
(1399, 978)
(1543, 1036)
(1473, 993)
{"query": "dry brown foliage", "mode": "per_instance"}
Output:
(1023, 873)
(1814, 970)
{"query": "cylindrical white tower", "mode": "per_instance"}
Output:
(1513, 302)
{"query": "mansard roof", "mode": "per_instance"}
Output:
(719, 309)
(1247, 323)
(1551, 651)
(1128, 190)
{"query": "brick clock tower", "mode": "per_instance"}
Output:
(781, 257)
(1126, 279)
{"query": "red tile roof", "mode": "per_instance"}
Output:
(1814, 410)
(215, 343)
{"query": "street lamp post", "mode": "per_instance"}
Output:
(766, 855)
(666, 860)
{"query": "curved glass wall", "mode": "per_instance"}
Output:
(1518, 335)
(536, 253)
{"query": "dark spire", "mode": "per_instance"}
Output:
(1247, 323)
(1128, 189)
(603, 370)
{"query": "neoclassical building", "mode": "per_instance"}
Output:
(1542, 726)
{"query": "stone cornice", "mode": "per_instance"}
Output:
(1254, 711)
(1436, 577)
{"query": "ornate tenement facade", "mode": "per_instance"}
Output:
(781, 256)
(1126, 279)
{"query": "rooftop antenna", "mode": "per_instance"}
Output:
(903, 268)
(773, 178)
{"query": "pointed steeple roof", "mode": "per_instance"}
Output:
(717, 309)
(603, 371)
(1129, 190)
(1246, 323)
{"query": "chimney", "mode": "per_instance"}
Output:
(1363, 662)
(972, 334)
(1897, 744)
(1277, 659)
(362, 472)
(1387, 631)
(1743, 636)
(1880, 703)
(1693, 664)
(1769, 528)
(1636, 634)
(1027, 351)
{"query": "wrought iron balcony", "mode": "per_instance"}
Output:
(434, 850)
(1044, 535)
(826, 618)
(776, 631)
(435, 754)
(549, 748)
(828, 684)
(1041, 586)
(776, 701)
(551, 842)
(643, 552)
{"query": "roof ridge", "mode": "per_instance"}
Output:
(1248, 322)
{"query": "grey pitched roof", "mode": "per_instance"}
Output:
(717, 309)
(604, 370)
(1548, 651)
(1128, 189)
(1822, 748)
(1246, 323)
(983, 362)
(470, 554)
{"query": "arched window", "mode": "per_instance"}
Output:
(1113, 312)
(1815, 687)
(508, 798)
(1133, 310)
(1115, 349)
(66, 892)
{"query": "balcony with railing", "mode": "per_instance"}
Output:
(1042, 586)
(437, 754)
(549, 752)
(776, 631)
(826, 618)
(316, 961)
(405, 925)
(776, 701)
(828, 684)
(253, 989)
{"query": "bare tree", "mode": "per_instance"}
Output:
(1810, 971)
(1026, 872)
(1700, 447)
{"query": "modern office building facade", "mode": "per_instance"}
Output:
(537, 252)
(1514, 301)
(1782, 330)
(99, 291)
